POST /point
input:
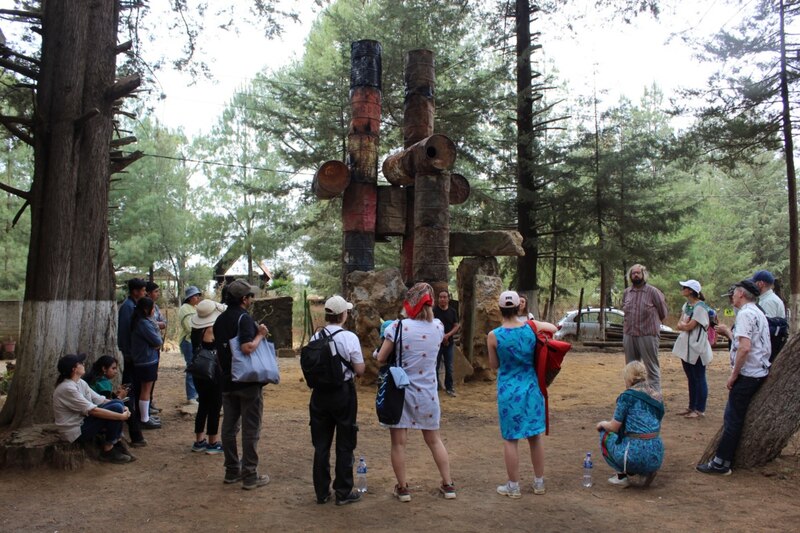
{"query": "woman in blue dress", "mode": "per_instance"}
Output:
(631, 443)
(520, 403)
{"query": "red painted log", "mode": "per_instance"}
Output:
(359, 202)
(330, 180)
(429, 155)
(459, 189)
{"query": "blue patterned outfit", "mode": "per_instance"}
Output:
(640, 450)
(520, 403)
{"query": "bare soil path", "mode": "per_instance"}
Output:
(171, 489)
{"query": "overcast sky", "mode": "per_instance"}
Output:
(621, 59)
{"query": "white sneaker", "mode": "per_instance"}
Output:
(193, 401)
(615, 480)
(506, 490)
(538, 487)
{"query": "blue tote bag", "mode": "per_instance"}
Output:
(261, 366)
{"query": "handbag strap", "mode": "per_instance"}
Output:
(398, 352)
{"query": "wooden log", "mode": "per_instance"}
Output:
(391, 211)
(459, 189)
(359, 202)
(420, 84)
(330, 180)
(430, 155)
(490, 243)
(431, 228)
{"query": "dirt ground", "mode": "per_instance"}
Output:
(171, 489)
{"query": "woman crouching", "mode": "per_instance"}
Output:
(630, 442)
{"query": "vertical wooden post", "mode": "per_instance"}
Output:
(360, 197)
(418, 112)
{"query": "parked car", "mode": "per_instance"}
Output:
(590, 324)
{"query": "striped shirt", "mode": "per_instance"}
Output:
(645, 309)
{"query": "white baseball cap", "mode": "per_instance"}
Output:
(337, 305)
(508, 299)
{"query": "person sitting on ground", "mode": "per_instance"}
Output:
(630, 442)
(81, 414)
(101, 376)
(520, 402)
(209, 391)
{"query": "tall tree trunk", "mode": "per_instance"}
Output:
(774, 414)
(791, 183)
(526, 194)
(69, 292)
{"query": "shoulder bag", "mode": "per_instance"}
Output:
(203, 365)
(260, 366)
(390, 398)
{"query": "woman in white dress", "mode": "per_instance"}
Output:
(421, 337)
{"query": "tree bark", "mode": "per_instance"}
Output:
(69, 293)
(774, 414)
(527, 279)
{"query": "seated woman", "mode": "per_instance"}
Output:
(79, 415)
(100, 378)
(630, 442)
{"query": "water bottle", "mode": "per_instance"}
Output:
(361, 476)
(587, 470)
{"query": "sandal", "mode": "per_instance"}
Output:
(691, 414)
(684, 413)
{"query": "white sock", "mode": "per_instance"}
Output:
(144, 410)
(513, 484)
(538, 479)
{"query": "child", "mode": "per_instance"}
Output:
(100, 378)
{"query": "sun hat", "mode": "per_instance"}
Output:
(692, 284)
(336, 305)
(508, 299)
(191, 290)
(207, 313)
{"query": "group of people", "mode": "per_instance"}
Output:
(751, 349)
(630, 442)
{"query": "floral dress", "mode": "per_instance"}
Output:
(520, 403)
(421, 340)
(638, 448)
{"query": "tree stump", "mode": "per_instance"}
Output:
(39, 445)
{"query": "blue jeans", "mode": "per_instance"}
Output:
(698, 386)
(744, 388)
(186, 350)
(242, 408)
(110, 429)
(446, 356)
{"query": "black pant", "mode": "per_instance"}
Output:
(333, 410)
(129, 376)
(739, 397)
(209, 400)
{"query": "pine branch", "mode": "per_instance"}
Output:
(19, 69)
(25, 195)
(10, 124)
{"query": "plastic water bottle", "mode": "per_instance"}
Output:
(361, 476)
(587, 471)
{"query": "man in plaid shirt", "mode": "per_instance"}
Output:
(645, 309)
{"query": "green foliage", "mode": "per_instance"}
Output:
(154, 223)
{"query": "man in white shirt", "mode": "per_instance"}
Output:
(750, 351)
(333, 409)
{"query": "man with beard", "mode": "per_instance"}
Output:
(645, 309)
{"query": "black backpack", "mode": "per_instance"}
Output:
(778, 334)
(321, 363)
